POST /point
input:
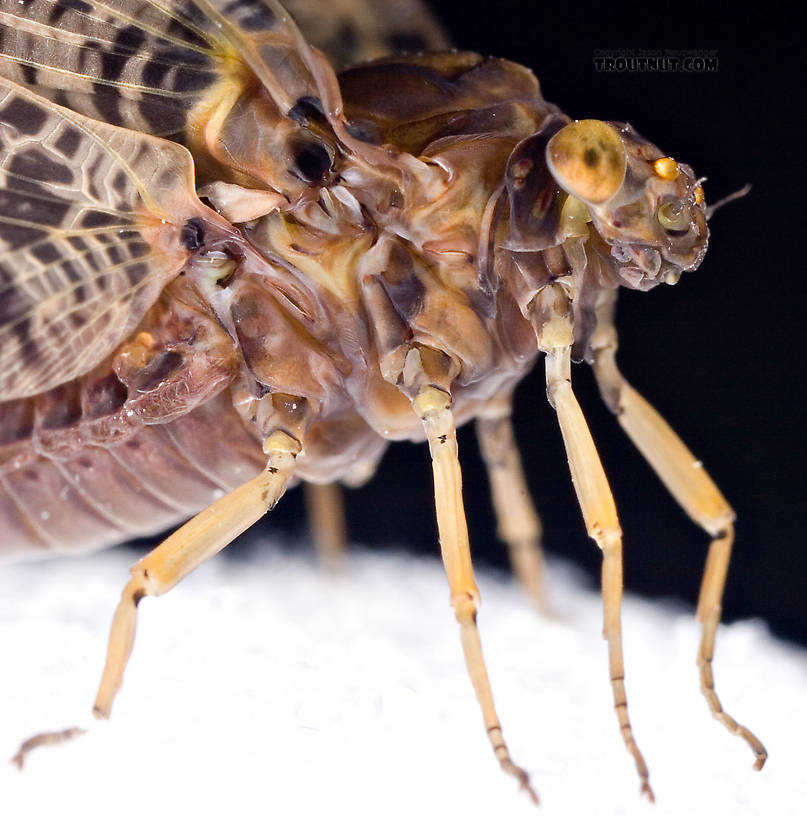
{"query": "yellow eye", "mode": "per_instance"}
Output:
(673, 216)
(699, 195)
(587, 158)
(666, 168)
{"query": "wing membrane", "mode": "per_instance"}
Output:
(150, 65)
(358, 30)
(138, 64)
(90, 232)
(233, 80)
(91, 203)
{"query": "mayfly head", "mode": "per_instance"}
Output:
(648, 208)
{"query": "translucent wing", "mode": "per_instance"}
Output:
(142, 64)
(91, 207)
(91, 213)
(233, 80)
(358, 30)
(91, 221)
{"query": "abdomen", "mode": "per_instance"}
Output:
(79, 497)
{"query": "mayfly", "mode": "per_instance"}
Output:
(224, 268)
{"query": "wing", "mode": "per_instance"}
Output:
(359, 30)
(233, 80)
(91, 221)
(145, 64)
(91, 203)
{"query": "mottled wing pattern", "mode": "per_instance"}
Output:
(91, 207)
(352, 31)
(134, 64)
(151, 65)
(90, 231)
(91, 213)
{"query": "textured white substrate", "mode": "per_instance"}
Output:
(269, 687)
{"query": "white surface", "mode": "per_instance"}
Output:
(266, 686)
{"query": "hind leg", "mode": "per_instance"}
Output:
(182, 552)
(326, 519)
(517, 521)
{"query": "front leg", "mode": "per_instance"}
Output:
(692, 487)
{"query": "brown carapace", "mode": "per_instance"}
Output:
(224, 268)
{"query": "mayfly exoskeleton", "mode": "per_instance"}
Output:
(226, 268)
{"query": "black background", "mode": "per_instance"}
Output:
(720, 354)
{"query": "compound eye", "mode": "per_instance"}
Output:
(588, 159)
(673, 216)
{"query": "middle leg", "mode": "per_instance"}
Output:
(599, 513)
(432, 405)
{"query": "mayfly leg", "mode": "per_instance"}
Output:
(518, 524)
(599, 513)
(326, 519)
(48, 738)
(432, 405)
(167, 564)
(692, 487)
(195, 542)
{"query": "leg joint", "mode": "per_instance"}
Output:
(465, 605)
(608, 537)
